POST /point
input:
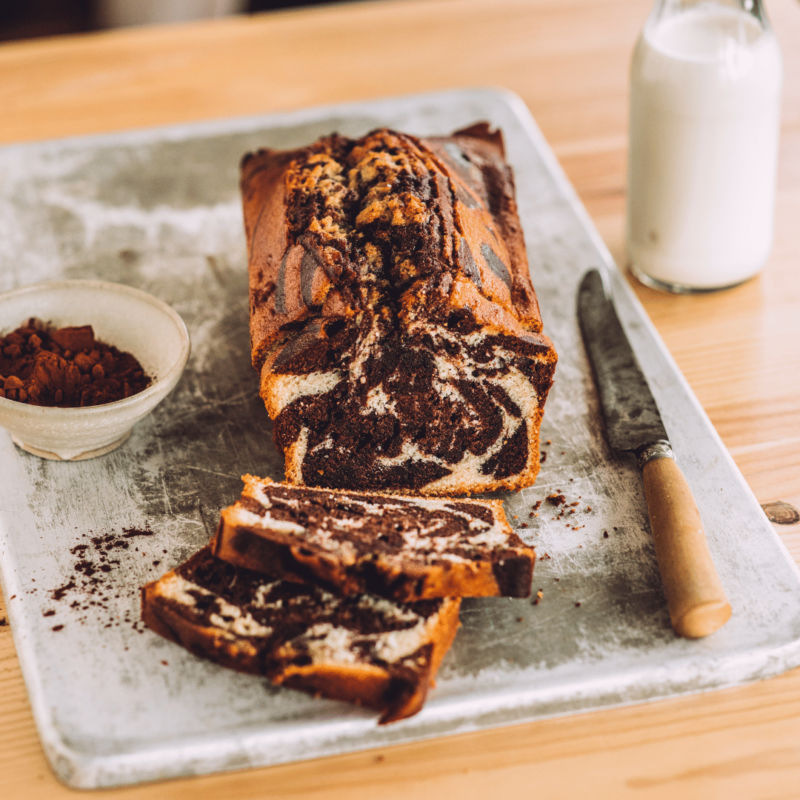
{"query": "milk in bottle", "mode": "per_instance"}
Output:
(704, 127)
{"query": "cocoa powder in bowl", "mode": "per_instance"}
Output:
(65, 367)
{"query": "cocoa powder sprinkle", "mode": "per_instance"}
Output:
(92, 584)
(66, 367)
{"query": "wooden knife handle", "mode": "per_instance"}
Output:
(695, 596)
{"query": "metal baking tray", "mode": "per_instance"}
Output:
(114, 703)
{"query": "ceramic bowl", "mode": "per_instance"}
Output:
(131, 320)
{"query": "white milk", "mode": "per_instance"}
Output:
(704, 127)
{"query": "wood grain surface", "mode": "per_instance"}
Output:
(738, 349)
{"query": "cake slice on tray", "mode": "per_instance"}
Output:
(359, 648)
(400, 547)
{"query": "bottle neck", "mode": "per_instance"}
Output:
(663, 9)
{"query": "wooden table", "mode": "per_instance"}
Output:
(739, 349)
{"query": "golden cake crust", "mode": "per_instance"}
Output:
(385, 265)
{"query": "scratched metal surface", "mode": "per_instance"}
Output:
(116, 704)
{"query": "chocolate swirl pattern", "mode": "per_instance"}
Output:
(393, 319)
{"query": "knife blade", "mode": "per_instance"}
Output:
(696, 599)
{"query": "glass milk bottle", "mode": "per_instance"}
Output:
(704, 126)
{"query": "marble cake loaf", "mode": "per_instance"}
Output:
(400, 547)
(392, 316)
(359, 648)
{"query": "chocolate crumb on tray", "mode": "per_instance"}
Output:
(92, 585)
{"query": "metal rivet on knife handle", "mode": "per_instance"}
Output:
(696, 599)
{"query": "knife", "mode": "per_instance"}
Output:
(695, 595)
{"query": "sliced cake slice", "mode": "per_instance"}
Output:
(359, 648)
(400, 547)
